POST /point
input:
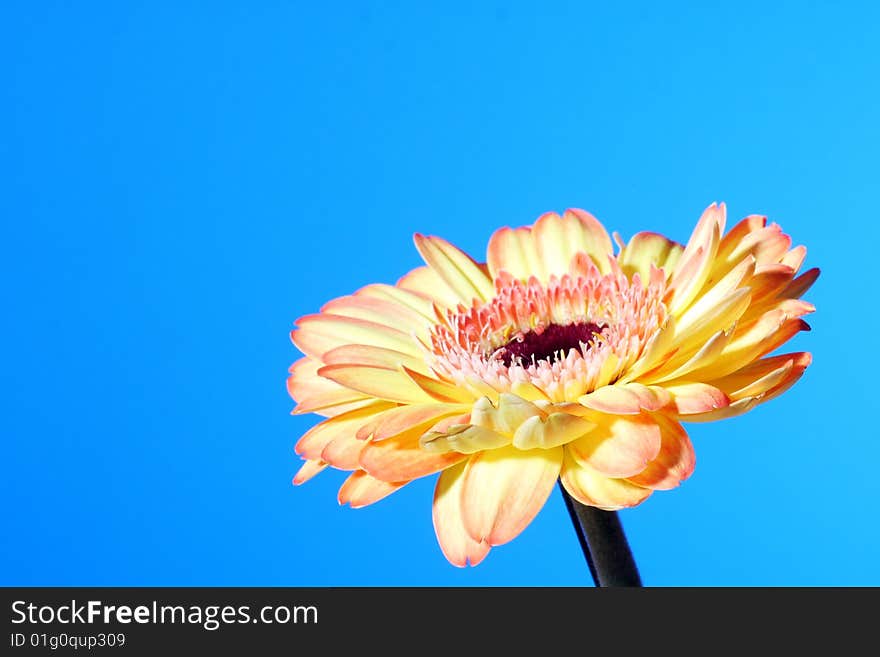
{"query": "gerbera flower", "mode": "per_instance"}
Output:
(555, 359)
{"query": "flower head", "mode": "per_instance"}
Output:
(555, 359)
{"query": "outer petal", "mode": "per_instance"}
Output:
(548, 247)
(379, 382)
(315, 394)
(557, 429)
(626, 399)
(679, 366)
(412, 416)
(308, 470)
(401, 458)
(385, 311)
(513, 250)
(436, 389)
(798, 287)
(763, 375)
(745, 404)
(592, 488)
(646, 249)
(695, 398)
(504, 489)
(418, 303)
(318, 334)
(465, 439)
(748, 343)
(457, 269)
(620, 446)
(674, 463)
(361, 354)
(425, 282)
(704, 308)
(339, 431)
(505, 417)
(768, 244)
(693, 268)
(455, 542)
(360, 489)
(559, 239)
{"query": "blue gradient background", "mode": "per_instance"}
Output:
(180, 181)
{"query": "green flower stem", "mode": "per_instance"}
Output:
(603, 543)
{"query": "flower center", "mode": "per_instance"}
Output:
(548, 343)
(558, 339)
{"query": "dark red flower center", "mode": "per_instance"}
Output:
(545, 344)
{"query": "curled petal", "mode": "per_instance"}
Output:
(674, 463)
(557, 429)
(619, 446)
(507, 416)
(465, 439)
(593, 488)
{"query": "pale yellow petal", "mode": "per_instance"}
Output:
(592, 488)
(380, 382)
(646, 249)
(626, 399)
(427, 283)
(559, 239)
(315, 394)
(404, 418)
(318, 334)
(695, 264)
(510, 412)
(455, 542)
(457, 269)
(504, 489)
(465, 439)
(362, 354)
(401, 458)
(308, 470)
(360, 489)
(556, 429)
(619, 446)
(674, 463)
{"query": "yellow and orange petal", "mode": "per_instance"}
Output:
(554, 360)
